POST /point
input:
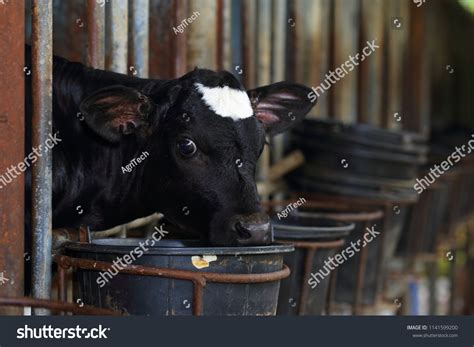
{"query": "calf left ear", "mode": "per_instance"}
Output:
(116, 111)
(281, 105)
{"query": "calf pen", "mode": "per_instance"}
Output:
(260, 42)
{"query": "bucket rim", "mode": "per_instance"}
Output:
(340, 229)
(171, 247)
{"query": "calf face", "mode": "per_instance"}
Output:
(204, 133)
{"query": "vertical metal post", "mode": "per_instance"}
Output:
(42, 75)
(220, 34)
(95, 34)
(278, 63)
(371, 71)
(12, 137)
(264, 71)
(346, 42)
(118, 36)
(237, 41)
(140, 36)
(180, 42)
(246, 23)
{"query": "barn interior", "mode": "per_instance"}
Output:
(372, 212)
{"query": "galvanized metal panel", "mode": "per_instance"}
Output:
(96, 33)
(117, 36)
(140, 13)
(42, 68)
(202, 36)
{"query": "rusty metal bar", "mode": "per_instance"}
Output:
(220, 34)
(199, 280)
(381, 257)
(360, 278)
(308, 265)
(57, 306)
(141, 270)
(96, 34)
(197, 297)
(42, 69)
(12, 137)
(314, 245)
(331, 292)
(140, 36)
(117, 22)
(61, 284)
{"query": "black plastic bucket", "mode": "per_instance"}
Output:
(355, 286)
(315, 240)
(357, 160)
(139, 294)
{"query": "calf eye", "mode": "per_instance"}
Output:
(187, 147)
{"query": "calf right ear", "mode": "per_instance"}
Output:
(116, 111)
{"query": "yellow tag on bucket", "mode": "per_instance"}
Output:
(202, 262)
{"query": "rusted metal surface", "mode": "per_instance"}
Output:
(371, 89)
(140, 36)
(95, 34)
(57, 306)
(331, 292)
(162, 35)
(381, 256)
(12, 91)
(311, 248)
(359, 287)
(219, 34)
(180, 43)
(346, 43)
(117, 36)
(62, 284)
(199, 279)
(307, 265)
(42, 67)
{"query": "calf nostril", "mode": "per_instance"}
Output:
(242, 231)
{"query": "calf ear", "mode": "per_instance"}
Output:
(116, 111)
(281, 105)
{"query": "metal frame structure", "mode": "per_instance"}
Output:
(199, 279)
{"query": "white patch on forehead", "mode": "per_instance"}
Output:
(226, 102)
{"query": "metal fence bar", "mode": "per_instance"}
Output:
(180, 42)
(96, 34)
(12, 89)
(42, 70)
(140, 36)
(117, 22)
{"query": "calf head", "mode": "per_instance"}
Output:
(204, 133)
